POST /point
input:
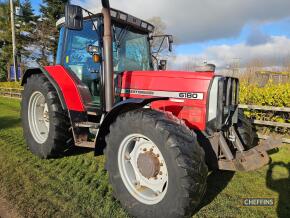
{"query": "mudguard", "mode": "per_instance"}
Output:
(41, 70)
(121, 107)
(71, 92)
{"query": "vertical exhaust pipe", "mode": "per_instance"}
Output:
(108, 57)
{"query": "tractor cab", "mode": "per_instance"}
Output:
(131, 49)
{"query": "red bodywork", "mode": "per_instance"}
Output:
(67, 86)
(193, 112)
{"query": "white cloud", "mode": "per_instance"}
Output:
(201, 20)
(272, 53)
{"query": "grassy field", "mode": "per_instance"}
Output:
(77, 185)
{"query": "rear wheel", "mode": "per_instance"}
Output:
(155, 165)
(45, 123)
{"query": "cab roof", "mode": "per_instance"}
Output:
(120, 17)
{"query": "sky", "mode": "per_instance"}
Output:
(217, 31)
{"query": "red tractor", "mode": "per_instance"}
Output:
(160, 130)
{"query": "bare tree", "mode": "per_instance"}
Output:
(253, 66)
(286, 64)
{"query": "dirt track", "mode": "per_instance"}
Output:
(6, 210)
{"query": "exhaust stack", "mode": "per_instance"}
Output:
(108, 57)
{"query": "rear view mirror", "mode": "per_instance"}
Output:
(74, 17)
(170, 42)
(169, 39)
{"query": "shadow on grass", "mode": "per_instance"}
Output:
(217, 181)
(9, 122)
(75, 151)
(273, 151)
(282, 186)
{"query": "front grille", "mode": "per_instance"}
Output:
(228, 99)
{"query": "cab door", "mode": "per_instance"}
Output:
(75, 58)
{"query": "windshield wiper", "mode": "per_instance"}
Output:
(123, 33)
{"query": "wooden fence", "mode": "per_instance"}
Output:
(11, 92)
(16, 93)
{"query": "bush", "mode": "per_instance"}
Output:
(15, 85)
(270, 95)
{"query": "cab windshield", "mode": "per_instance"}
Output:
(131, 50)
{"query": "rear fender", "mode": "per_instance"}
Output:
(41, 70)
(122, 107)
(73, 94)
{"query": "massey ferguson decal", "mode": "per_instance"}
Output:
(182, 95)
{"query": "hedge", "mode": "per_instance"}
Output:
(270, 95)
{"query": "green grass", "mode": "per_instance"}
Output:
(77, 185)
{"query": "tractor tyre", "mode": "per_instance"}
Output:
(45, 124)
(155, 164)
(246, 131)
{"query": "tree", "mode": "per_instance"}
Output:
(286, 64)
(24, 34)
(5, 39)
(25, 28)
(28, 14)
(252, 67)
(51, 11)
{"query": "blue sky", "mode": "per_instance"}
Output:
(35, 5)
(218, 31)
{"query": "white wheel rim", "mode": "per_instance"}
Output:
(146, 190)
(38, 117)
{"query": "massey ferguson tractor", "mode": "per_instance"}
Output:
(160, 130)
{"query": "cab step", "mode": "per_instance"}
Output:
(85, 144)
(87, 125)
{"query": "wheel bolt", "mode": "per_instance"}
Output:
(151, 149)
(144, 149)
(160, 173)
(157, 155)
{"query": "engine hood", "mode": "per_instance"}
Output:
(172, 74)
(167, 80)
(187, 92)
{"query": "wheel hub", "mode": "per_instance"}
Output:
(148, 164)
(143, 169)
(38, 117)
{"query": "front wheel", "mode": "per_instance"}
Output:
(155, 165)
